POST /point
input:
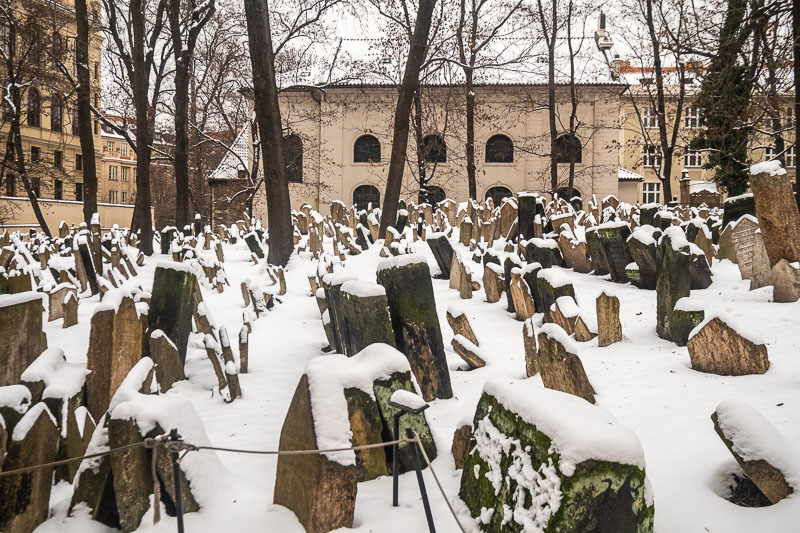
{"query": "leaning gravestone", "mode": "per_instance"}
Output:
(761, 270)
(442, 252)
(776, 209)
(736, 207)
(542, 460)
(21, 331)
(172, 303)
(332, 284)
(743, 236)
(415, 323)
(558, 363)
(717, 347)
(529, 206)
(607, 247)
(674, 279)
(785, 277)
(551, 284)
(365, 316)
(642, 249)
(169, 367)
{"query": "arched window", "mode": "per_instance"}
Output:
(293, 148)
(364, 195)
(434, 149)
(34, 108)
(562, 193)
(367, 150)
(432, 195)
(568, 149)
(56, 113)
(499, 149)
(497, 194)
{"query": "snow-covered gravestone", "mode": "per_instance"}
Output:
(544, 252)
(609, 328)
(558, 362)
(686, 315)
(164, 353)
(551, 284)
(674, 279)
(332, 285)
(172, 303)
(607, 248)
(767, 457)
(722, 345)
(442, 252)
(418, 334)
(743, 236)
(776, 210)
(543, 460)
(366, 316)
(342, 402)
(21, 331)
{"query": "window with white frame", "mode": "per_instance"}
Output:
(692, 118)
(650, 118)
(109, 146)
(124, 174)
(692, 158)
(113, 171)
(791, 161)
(123, 149)
(769, 153)
(651, 192)
(112, 197)
(651, 156)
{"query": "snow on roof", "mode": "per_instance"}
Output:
(624, 174)
(696, 187)
(232, 162)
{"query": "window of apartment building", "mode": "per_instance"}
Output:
(11, 185)
(56, 113)
(294, 159)
(78, 162)
(124, 171)
(693, 158)
(78, 191)
(113, 172)
(112, 197)
(124, 195)
(36, 186)
(651, 192)
(58, 159)
(651, 156)
(35, 154)
(499, 149)
(109, 146)
(58, 190)
(34, 108)
(789, 117)
(692, 118)
(75, 121)
(97, 127)
(123, 149)
(97, 71)
(791, 161)
(650, 118)
(5, 35)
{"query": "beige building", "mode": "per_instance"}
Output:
(119, 168)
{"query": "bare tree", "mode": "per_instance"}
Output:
(84, 91)
(141, 54)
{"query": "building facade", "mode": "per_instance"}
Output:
(119, 167)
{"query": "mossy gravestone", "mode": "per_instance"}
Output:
(642, 249)
(607, 248)
(416, 327)
(686, 316)
(674, 279)
(342, 402)
(543, 460)
(551, 284)
(172, 303)
(365, 316)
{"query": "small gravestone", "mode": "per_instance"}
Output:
(785, 277)
(460, 447)
(543, 251)
(57, 296)
(609, 328)
(558, 363)
(19, 282)
(520, 294)
(164, 353)
(70, 310)
(21, 331)
(493, 283)
(460, 325)
(511, 261)
(758, 447)
(332, 284)
(551, 284)
(743, 237)
(686, 316)
(575, 253)
(468, 351)
(607, 248)
(565, 312)
(674, 280)
(172, 303)
(642, 248)
(705, 242)
(531, 347)
(529, 207)
(736, 207)
(716, 347)
(412, 307)
(699, 271)
(365, 316)
(542, 460)
(442, 252)
(25, 498)
(761, 272)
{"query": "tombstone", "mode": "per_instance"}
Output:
(25, 498)
(609, 328)
(687, 315)
(21, 331)
(70, 310)
(365, 316)
(778, 215)
(543, 251)
(673, 279)
(736, 207)
(757, 446)
(608, 251)
(57, 298)
(705, 242)
(115, 346)
(726, 250)
(19, 282)
(761, 271)
(169, 367)
(520, 293)
(565, 312)
(168, 234)
(85, 267)
(512, 261)
(416, 326)
(785, 277)
(253, 244)
(172, 303)
(558, 363)
(493, 282)
(460, 325)
(551, 284)
(716, 347)
(511, 476)
(460, 447)
(468, 351)
(743, 236)
(575, 253)
(531, 347)
(332, 284)
(699, 271)
(529, 207)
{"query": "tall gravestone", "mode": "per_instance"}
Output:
(674, 279)
(21, 331)
(172, 303)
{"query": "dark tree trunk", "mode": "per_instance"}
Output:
(85, 112)
(470, 148)
(422, 171)
(268, 116)
(23, 174)
(796, 52)
(667, 148)
(551, 88)
(409, 85)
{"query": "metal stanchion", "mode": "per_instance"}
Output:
(176, 475)
(425, 503)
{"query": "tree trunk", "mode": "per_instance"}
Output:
(551, 98)
(409, 85)
(796, 52)
(85, 112)
(268, 116)
(181, 152)
(145, 118)
(667, 149)
(422, 172)
(23, 174)
(470, 99)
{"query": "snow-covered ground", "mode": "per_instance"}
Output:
(645, 382)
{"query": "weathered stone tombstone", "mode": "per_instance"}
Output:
(716, 347)
(785, 277)
(416, 326)
(70, 308)
(761, 270)
(21, 331)
(608, 251)
(468, 351)
(743, 235)
(57, 297)
(460, 325)
(609, 328)
(520, 294)
(169, 367)
(551, 284)
(543, 251)
(674, 279)
(558, 363)
(777, 212)
(532, 434)
(365, 316)
(172, 303)
(493, 282)
(686, 315)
